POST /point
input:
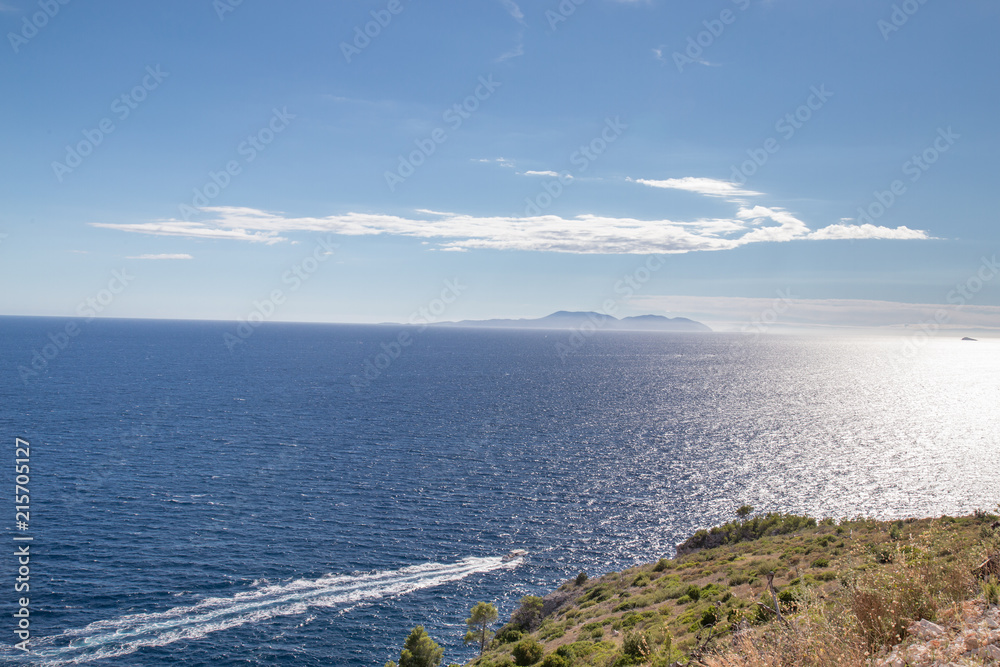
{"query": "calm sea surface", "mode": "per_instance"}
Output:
(192, 505)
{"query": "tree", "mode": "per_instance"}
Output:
(744, 511)
(529, 612)
(419, 650)
(480, 618)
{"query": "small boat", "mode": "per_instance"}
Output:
(513, 555)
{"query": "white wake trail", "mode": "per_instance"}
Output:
(127, 634)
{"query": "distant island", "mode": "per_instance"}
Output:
(575, 320)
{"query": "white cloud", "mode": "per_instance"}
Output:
(503, 162)
(516, 14)
(842, 231)
(514, 11)
(582, 234)
(703, 186)
(554, 174)
(164, 256)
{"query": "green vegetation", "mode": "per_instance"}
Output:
(845, 591)
(419, 650)
(854, 585)
(482, 616)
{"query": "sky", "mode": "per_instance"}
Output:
(771, 164)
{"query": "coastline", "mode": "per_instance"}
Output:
(858, 587)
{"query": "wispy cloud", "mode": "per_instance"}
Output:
(703, 186)
(518, 49)
(503, 162)
(553, 174)
(164, 256)
(665, 57)
(582, 234)
(514, 11)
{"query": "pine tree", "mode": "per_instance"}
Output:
(481, 617)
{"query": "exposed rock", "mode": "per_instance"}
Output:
(971, 636)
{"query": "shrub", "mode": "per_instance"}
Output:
(508, 634)
(693, 592)
(661, 565)
(581, 579)
(636, 645)
(882, 553)
(598, 594)
(527, 652)
(738, 578)
(991, 591)
(641, 580)
(821, 562)
(496, 661)
(555, 660)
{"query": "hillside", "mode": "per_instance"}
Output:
(846, 591)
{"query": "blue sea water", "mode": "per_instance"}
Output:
(192, 505)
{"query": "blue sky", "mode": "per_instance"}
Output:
(536, 152)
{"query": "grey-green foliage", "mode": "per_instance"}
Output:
(420, 650)
(482, 615)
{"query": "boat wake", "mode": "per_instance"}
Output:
(127, 634)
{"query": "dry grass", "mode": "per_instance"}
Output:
(847, 591)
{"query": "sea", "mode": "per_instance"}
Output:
(305, 494)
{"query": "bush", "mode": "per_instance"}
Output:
(508, 634)
(527, 652)
(821, 562)
(733, 532)
(555, 660)
(641, 580)
(636, 645)
(693, 592)
(883, 554)
(496, 661)
(581, 579)
(738, 578)
(991, 591)
(661, 565)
